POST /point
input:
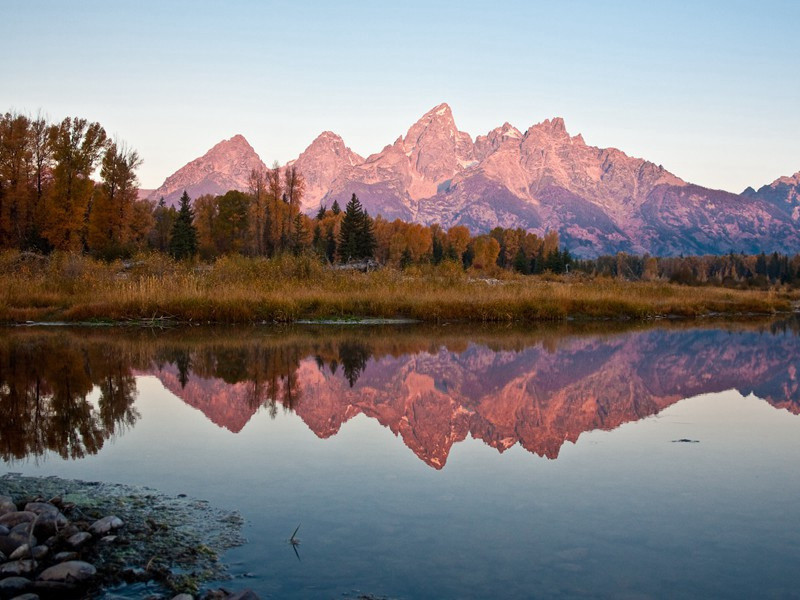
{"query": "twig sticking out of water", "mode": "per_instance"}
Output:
(293, 540)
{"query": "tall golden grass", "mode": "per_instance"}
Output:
(236, 289)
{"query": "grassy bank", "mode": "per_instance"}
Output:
(70, 287)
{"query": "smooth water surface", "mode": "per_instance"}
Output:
(442, 462)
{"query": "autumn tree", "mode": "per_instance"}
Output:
(183, 241)
(257, 185)
(15, 178)
(77, 146)
(232, 226)
(111, 218)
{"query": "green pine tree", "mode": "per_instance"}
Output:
(356, 236)
(183, 241)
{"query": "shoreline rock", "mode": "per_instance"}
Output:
(91, 537)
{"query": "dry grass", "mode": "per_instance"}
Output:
(240, 290)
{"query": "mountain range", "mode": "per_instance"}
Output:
(600, 200)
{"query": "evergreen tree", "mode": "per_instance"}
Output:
(321, 212)
(183, 242)
(356, 235)
(335, 207)
(330, 245)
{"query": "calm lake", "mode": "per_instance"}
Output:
(444, 462)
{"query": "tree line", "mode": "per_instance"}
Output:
(735, 270)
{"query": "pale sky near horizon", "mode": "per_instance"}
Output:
(710, 90)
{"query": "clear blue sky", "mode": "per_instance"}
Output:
(711, 90)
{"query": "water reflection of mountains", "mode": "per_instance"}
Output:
(432, 387)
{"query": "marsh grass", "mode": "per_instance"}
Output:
(237, 289)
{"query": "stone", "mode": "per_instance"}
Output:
(4, 530)
(18, 568)
(12, 519)
(22, 538)
(12, 586)
(49, 524)
(79, 539)
(40, 551)
(108, 539)
(7, 505)
(26, 597)
(41, 508)
(183, 597)
(105, 525)
(72, 571)
(21, 529)
(65, 556)
(12, 541)
(21, 552)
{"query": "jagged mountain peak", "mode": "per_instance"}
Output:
(436, 122)
(791, 180)
(226, 166)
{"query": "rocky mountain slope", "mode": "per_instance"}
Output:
(600, 200)
(783, 193)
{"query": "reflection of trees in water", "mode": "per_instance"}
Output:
(269, 371)
(44, 388)
(353, 356)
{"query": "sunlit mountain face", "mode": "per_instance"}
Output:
(68, 392)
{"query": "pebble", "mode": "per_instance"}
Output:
(11, 586)
(79, 539)
(7, 505)
(17, 568)
(183, 597)
(8, 544)
(41, 508)
(26, 597)
(105, 525)
(72, 571)
(65, 556)
(49, 524)
(20, 552)
(22, 528)
(21, 538)
(4, 530)
(15, 518)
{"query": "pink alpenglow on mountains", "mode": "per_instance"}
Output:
(600, 200)
(227, 166)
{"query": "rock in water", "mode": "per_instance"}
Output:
(105, 525)
(73, 571)
(79, 539)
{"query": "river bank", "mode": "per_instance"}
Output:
(65, 538)
(75, 288)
